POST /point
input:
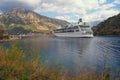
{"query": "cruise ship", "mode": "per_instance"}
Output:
(80, 29)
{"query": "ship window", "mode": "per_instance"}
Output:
(60, 30)
(77, 30)
(83, 26)
(70, 29)
(75, 27)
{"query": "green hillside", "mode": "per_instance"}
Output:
(110, 27)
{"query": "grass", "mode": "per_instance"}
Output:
(15, 65)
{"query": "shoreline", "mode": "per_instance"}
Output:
(15, 37)
(6, 40)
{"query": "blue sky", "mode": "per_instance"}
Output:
(90, 11)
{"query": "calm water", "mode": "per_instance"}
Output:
(75, 53)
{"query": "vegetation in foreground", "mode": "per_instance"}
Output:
(15, 65)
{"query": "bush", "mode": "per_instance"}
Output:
(14, 65)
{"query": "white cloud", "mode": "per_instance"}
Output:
(106, 6)
(89, 10)
(29, 1)
(64, 6)
(65, 17)
(28, 4)
(117, 1)
(100, 15)
(102, 1)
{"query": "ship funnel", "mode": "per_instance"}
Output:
(80, 20)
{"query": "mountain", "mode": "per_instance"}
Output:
(111, 27)
(20, 20)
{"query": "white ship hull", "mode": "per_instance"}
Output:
(73, 34)
(79, 29)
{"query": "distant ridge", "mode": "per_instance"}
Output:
(109, 27)
(20, 20)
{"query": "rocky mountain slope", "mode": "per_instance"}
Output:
(110, 27)
(24, 21)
